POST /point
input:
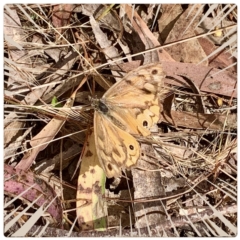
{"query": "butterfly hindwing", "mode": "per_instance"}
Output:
(116, 148)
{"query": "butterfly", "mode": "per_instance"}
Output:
(128, 109)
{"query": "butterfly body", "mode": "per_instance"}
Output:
(129, 108)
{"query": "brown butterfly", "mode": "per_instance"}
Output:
(129, 108)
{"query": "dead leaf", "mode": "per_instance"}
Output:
(203, 77)
(145, 34)
(91, 206)
(201, 121)
(170, 14)
(42, 139)
(12, 130)
(221, 60)
(182, 29)
(61, 15)
(111, 53)
(98, 10)
(147, 185)
(18, 181)
(12, 148)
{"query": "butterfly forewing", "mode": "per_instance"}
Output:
(135, 99)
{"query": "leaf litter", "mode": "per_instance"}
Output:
(186, 176)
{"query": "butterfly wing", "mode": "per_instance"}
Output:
(116, 148)
(131, 106)
(133, 102)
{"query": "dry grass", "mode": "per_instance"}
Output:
(56, 56)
